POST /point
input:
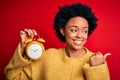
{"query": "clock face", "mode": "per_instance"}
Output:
(35, 51)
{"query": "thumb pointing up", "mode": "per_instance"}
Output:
(106, 55)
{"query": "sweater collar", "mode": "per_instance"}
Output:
(72, 61)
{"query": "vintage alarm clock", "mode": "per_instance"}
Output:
(35, 48)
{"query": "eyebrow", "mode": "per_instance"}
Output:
(77, 26)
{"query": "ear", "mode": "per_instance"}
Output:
(62, 31)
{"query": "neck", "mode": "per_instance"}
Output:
(75, 53)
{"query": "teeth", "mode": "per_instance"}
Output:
(77, 41)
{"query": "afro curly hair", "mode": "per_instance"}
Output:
(69, 11)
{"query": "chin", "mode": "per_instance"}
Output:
(77, 47)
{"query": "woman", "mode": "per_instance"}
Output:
(73, 24)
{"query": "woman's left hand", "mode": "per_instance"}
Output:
(98, 59)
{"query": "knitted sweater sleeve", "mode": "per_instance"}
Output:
(18, 67)
(100, 72)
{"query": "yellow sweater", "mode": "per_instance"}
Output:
(54, 65)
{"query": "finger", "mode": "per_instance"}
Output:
(31, 33)
(34, 31)
(92, 57)
(93, 54)
(27, 31)
(22, 32)
(106, 55)
(99, 54)
(92, 60)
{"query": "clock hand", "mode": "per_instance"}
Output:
(35, 50)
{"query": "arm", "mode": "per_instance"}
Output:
(96, 72)
(97, 68)
(18, 67)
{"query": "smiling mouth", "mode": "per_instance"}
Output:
(77, 42)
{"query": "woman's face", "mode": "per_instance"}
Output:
(76, 32)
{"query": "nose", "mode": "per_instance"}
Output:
(79, 34)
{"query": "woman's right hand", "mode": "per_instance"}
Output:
(24, 35)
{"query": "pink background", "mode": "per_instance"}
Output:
(16, 15)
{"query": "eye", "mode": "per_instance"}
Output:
(85, 31)
(73, 30)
